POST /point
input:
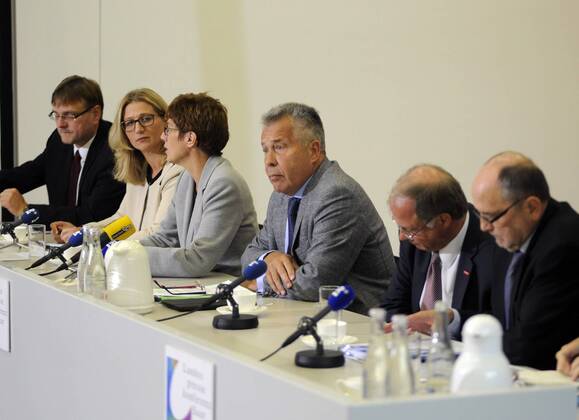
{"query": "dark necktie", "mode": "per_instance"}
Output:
(73, 180)
(433, 287)
(512, 275)
(292, 213)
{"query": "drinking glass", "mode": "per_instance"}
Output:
(36, 240)
(323, 293)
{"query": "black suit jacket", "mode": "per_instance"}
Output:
(545, 297)
(99, 195)
(479, 263)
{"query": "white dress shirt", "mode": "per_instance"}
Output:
(449, 257)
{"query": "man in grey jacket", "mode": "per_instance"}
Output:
(321, 227)
(211, 218)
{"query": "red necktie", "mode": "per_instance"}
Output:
(433, 287)
(73, 180)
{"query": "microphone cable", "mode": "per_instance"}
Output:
(178, 315)
(272, 353)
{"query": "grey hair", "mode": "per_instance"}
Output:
(523, 180)
(308, 119)
(519, 177)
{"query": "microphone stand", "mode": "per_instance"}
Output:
(318, 358)
(14, 240)
(235, 321)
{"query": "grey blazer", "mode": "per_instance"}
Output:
(204, 231)
(338, 238)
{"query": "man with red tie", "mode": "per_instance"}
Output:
(76, 165)
(443, 253)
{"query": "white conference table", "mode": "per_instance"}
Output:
(75, 357)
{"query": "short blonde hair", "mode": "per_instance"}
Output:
(130, 164)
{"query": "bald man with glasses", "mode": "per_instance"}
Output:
(76, 164)
(537, 300)
(443, 253)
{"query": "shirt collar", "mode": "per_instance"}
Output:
(300, 193)
(83, 150)
(525, 245)
(452, 250)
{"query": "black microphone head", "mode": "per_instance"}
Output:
(254, 270)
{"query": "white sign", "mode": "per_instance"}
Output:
(190, 386)
(4, 315)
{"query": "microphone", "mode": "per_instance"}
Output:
(340, 299)
(28, 217)
(121, 228)
(74, 240)
(235, 321)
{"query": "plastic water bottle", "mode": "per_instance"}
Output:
(91, 272)
(401, 372)
(375, 373)
(441, 356)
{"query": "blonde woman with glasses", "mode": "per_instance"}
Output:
(140, 162)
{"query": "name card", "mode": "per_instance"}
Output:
(190, 386)
(4, 315)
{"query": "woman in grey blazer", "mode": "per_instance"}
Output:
(211, 218)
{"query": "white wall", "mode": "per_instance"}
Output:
(396, 83)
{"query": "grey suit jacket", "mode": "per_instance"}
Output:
(204, 231)
(338, 238)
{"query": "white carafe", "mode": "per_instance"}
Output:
(482, 365)
(129, 283)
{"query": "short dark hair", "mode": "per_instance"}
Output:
(522, 180)
(305, 116)
(433, 197)
(205, 116)
(78, 88)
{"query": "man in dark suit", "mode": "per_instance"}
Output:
(76, 165)
(321, 227)
(537, 300)
(443, 254)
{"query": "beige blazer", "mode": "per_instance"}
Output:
(146, 204)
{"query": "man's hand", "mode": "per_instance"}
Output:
(421, 321)
(61, 231)
(12, 200)
(250, 284)
(281, 271)
(568, 360)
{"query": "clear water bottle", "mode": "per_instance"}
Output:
(91, 271)
(401, 372)
(441, 356)
(375, 373)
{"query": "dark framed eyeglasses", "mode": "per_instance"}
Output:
(167, 130)
(492, 219)
(68, 116)
(175, 289)
(145, 120)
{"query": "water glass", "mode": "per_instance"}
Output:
(324, 293)
(36, 240)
